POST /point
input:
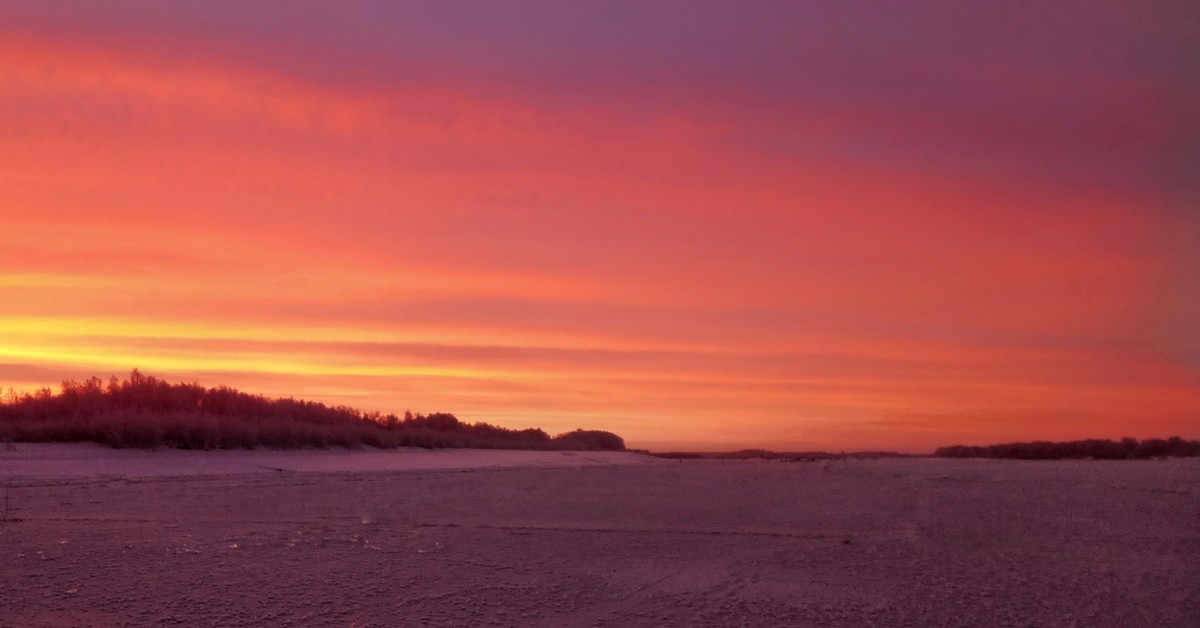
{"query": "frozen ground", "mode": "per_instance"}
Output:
(593, 540)
(87, 460)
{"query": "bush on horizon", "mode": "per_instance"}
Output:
(1126, 448)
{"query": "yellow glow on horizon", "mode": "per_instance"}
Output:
(307, 332)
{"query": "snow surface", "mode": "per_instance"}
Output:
(89, 460)
(100, 537)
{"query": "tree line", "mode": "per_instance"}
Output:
(146, 412)
(1126, 448)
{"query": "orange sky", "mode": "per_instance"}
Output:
(841, 238)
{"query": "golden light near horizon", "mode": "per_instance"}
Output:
(694, 229)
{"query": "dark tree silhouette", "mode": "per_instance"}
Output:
(144, 411)
(590, 439)
(1126, 448)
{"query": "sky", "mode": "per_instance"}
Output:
(701, 225)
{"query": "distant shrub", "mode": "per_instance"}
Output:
(1126, 448)
(147, 412)
(589, 439)
(787, 456)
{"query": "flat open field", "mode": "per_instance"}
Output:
(555, 539)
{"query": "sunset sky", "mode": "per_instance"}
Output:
(701, 225)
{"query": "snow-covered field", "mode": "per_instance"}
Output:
(102, 537)
(88, 460)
